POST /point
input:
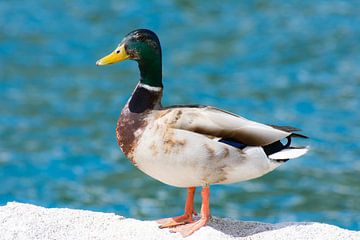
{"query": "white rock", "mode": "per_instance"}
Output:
(29, 222)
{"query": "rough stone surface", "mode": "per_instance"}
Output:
(25, 221)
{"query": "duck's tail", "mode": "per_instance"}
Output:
(289, 153)
(282, 152)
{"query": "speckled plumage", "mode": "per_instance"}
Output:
(180, 145)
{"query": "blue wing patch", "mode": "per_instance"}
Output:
(233, 143)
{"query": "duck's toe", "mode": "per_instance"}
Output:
(175, 221)
(190, 228)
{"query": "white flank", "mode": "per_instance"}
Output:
(150, 88)
(289, 153)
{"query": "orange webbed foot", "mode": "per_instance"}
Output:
(176, 221)
(187, 217)
(184, 224)
(190, 228)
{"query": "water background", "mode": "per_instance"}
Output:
(286, 63)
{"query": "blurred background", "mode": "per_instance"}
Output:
(285, 63)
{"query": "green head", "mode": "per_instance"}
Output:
(143, 46)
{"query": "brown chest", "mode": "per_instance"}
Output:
(128, 131)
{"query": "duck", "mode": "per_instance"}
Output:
(191, 146)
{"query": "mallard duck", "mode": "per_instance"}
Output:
(191, 146)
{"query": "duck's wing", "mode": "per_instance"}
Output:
(219, 123)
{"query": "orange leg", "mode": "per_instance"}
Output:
(187, 217)
(190, 228)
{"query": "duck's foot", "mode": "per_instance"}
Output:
(187, 217)
(175, 221)
(190, 228)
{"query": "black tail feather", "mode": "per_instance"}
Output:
(276, 146)
(298, 135)
(286, 128)
(291, 130)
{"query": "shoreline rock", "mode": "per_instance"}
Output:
(30, 222)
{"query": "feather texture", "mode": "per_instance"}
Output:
(218, 123)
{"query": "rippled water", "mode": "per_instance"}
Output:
(294, 63)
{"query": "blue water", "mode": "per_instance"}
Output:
(295, 63)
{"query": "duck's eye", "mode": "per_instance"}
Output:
(118, 51)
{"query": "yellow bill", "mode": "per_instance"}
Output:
(118, 55)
